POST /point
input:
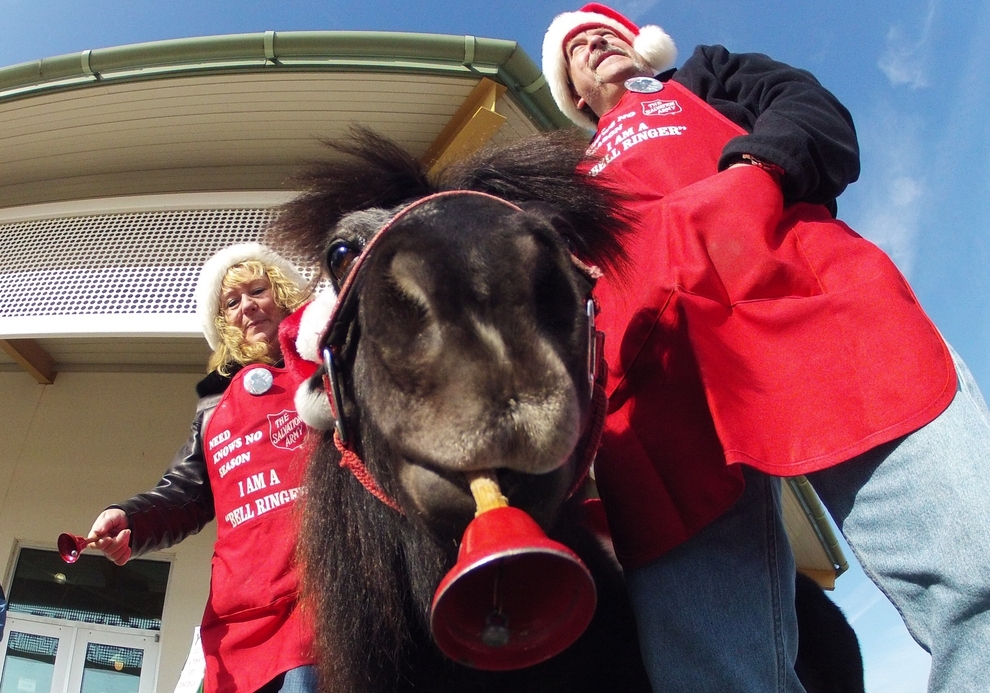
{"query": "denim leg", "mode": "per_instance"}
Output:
(915, 512)
(298, 680)
(717, 612)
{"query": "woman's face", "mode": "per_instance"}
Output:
(250, 307)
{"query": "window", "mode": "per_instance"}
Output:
(91, 590)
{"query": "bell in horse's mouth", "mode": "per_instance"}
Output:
(443, 500)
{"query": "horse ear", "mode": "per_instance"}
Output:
(591, 234)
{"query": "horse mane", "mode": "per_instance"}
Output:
(368, 171)
(372, 171)
(548, 169)
(365, 571)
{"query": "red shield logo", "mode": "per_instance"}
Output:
(286, 429)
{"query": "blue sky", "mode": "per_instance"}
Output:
(914, 73)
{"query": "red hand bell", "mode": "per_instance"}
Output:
(515, 597)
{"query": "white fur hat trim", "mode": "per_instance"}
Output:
(315, 317)
(312, 404)
(213, 272)
(651, 42)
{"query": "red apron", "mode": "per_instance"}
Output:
(742, 332)
(253, 629)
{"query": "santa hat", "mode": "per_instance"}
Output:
(299, 336)
(215, 269)
(650, 42)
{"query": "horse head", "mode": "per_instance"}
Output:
(463, 336)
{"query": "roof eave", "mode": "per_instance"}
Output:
(350, 51)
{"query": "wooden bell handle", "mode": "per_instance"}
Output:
(487, 494)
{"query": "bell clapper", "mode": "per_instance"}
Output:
(488, 496)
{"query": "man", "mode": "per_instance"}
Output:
(755, 336)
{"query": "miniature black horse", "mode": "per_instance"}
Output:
(462, 343)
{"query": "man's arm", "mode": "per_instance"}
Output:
(793, 121)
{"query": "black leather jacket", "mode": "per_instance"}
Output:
(181, 504)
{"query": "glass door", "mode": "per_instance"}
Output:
(105, 662)
(36, 657)
(43, 657)
(88, 627)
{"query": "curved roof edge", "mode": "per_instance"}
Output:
(504, 61)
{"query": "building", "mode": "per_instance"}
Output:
(121, 171)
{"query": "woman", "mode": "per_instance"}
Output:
(240, 465)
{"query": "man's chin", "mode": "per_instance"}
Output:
(618, 68)
(612, 63)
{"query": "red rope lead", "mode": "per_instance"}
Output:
(349, 460)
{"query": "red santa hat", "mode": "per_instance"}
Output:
(299, 336)
(215, 269)
(650, 42)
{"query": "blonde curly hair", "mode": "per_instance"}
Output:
(232, 349)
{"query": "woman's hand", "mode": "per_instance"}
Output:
(114, 535)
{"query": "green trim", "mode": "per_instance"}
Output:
(334, 51)
(818, 517)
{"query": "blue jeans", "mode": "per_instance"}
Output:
(716, 613)
(916, 512)
(298, 680)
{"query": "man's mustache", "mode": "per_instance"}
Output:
(605, 51)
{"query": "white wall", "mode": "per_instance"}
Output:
(69, 449)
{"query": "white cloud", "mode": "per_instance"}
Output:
(892, 661)
(905, 58)
(893, 192)
(859, 603)
(892, 223)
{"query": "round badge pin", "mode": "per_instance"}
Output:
(258, 381)
(644, 85)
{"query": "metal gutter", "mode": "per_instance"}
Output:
(392, 52)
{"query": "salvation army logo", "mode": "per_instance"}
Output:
(286, 429)
(661, 108)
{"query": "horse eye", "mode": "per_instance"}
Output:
(569, 243)
(340, 258)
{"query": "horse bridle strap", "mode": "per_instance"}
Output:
(334, 337)
(351, 461)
